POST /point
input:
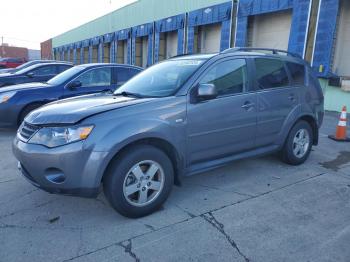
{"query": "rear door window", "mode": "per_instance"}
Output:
(62, 68)
(297, 72)
(271, 73)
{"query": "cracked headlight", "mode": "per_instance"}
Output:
(4, 97)
(59, 136)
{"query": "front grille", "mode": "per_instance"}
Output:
(27, 130)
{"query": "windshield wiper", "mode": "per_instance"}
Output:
(125, 93)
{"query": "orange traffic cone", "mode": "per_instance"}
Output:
(340, 134)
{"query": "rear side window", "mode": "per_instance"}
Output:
(297, 71)
(62, 68)
(270, 73)
(125, 74)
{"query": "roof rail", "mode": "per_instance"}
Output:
(250, 49)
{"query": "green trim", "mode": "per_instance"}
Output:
(335, 97)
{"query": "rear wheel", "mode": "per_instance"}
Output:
(26, 111)
(139, 181)
(298, 145)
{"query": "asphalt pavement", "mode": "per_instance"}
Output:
(252, 210)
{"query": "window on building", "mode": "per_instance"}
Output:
(270, 73)
(229, 77)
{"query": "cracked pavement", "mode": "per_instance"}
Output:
(252, 210)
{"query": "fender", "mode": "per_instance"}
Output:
(130, 132)
(296, 114)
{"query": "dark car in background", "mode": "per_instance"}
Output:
(18, 100)
(34, 73)
(25, 65)
(9, 62)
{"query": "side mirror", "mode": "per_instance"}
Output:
(75, 84)
(30, 74)
(207, 92)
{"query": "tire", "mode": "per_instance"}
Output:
(293, 144)
(26, 111)
(120, 178)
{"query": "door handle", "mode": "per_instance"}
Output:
(292, 97)
(248, 105)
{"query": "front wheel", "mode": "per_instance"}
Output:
(298, 144)
(139, 181)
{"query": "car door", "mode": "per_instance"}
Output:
(91, 81)
(276, 99)
(42, 73)
(225, 125)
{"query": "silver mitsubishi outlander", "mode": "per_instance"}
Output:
(177, 118)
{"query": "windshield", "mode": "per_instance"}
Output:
(65, 76)
(161, 80)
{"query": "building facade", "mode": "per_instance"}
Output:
(149, 31)
(46, 50)
(13, 51)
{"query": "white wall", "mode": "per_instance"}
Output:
(341, 65)
(171, 44)
(34, 54)
(144, 50)
(270, 30)
(209, 37)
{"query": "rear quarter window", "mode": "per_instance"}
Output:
(297, 72)
(62, 68)
(125, 74)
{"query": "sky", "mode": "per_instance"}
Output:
(27, 23)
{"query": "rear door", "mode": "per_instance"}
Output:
(276, 96)
(92, 81)
(225, 125)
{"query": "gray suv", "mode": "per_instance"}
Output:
(178, 118)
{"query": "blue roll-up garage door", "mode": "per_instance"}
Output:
(142, 45)
(209, 29)
(341, 63)
(85, 51)
(122, 46)
(93, 49)
(270, 30)
(169, 37)
(278, 15)
(106, 48)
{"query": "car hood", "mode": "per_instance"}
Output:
(73, 110)
(23, 87)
